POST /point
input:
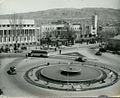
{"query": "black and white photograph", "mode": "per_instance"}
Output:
(59, 48)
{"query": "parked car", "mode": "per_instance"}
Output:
(24, 48)
(98, 53)
(12, 70)
(81, 59)
(102, 49)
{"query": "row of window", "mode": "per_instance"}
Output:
(28, 43)
(50, 29)
(15, 39)
(22, 25)
(9, 32)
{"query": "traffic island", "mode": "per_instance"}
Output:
(71, 77)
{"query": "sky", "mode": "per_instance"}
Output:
(20, 6)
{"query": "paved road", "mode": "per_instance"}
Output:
(17, 86)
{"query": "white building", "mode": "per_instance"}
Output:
(23, 33)
(58, 29)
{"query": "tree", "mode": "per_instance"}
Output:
(69, 34)
(16, 28)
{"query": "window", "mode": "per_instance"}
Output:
(32, 25)
(0, 39)
(3, 25)
(9, 39)
(5, 32)
(9, 32)
(8, 25)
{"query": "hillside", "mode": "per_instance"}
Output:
(105, 15)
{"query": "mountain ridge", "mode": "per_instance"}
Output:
(105, 15)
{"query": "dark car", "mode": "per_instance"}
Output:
(102, 49)
(12, 71)
(24, 48)
(98, 53)
(81, 59)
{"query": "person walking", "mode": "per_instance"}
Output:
(59, 51)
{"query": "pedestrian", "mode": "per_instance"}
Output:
(26, 55)
(59, 51)
(55, 49)
(102, 81)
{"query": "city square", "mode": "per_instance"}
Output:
(59, 48)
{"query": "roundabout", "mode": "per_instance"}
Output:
(61, 75)
(71, 77)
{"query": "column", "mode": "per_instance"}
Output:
(3, 36)
(23, 35)
(0, 36)
(7, 32)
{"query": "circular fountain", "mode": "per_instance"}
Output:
(73, 73)
(70, 77)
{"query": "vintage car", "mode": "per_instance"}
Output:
(81, 59)
(98, 53)
(12, 70)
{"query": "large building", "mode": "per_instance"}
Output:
(22, 32)
(57, 30)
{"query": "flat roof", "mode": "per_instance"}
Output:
(24, 21)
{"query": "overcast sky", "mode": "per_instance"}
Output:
(18, 6)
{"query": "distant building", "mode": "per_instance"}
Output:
(57, 30)
(111, 28)
(114, 43)
(82, 31)
(13, 33)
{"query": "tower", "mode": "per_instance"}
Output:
(94, 25)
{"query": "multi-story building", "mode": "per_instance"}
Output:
(16, 32)
(59, 30)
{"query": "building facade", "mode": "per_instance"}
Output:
(81, 31)
(25, 32)
(57, 30)
(22, 33)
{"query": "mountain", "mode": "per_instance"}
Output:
(105, 15)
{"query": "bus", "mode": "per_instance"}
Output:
(38, 53)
